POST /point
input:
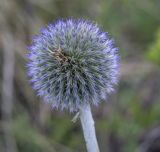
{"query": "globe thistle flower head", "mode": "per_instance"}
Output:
(71, 63)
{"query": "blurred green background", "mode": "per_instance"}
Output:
(129, 120)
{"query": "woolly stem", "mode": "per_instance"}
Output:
(88, 128)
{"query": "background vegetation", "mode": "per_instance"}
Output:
(130, 119)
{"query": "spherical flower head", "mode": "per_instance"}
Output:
(72, 63)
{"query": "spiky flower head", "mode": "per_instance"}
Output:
(72, 63)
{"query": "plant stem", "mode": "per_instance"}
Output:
(88, 128)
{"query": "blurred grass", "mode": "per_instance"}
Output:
(127, 115)
(153, 53)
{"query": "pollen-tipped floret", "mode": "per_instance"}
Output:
(72, 62)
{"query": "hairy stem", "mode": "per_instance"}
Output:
(88, 128)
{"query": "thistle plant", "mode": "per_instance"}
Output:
(73, 64)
